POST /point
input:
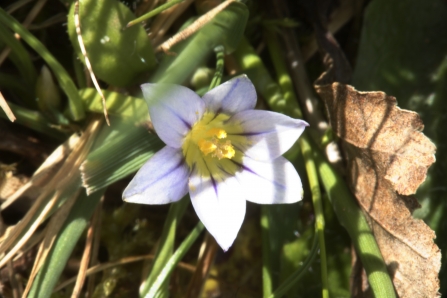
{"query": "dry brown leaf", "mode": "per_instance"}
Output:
(388, 157)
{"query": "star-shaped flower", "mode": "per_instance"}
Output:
(219, 149)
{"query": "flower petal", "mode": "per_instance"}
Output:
(173, 109)
(235, 95)
(220, 205)
(161, 180)
(275, 182)
(265, 135)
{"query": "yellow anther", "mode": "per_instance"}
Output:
(225, 150)
(217, 132)
(206, 146)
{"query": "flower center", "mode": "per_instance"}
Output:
(208, 147)
(214, 142)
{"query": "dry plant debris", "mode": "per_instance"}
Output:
(388, 157)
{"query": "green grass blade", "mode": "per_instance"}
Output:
(154, 12)
(166, 246)
(348, 212)
(296, 276)
(21, 58)
(351, 217)
(175, 259)
(75, 108)
(64, 244)
(33, 120)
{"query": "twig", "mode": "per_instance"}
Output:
(123, 261)
(194, 27)
(164, 20)
(87, 253)
(6, 108)
(87, 61)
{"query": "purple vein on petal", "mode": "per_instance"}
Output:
(229, 92)
(213, 181)
(178, 165)
(253, 172)
(250, 134)
(179, 117)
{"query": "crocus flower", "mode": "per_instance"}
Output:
(219, 149)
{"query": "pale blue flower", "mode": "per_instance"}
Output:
(219, 149)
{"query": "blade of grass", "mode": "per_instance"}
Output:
(57, 189)
(295, 277)
(75, 104)
(351, 217)
(174, 260)
(123, 261)
(87, 252)
(154, 12)
(63, 246)
(267, 270)
(290, 100)
(343, 202)
(166, 246)
(34, 120)
(20, 57)
(52, 229)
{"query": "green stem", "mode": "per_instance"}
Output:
(351, 217)
(166, 244)
(174, 260)
(153, 12)
(267, 278)
(296, 276)
(219, 67)
(343, 202)
(290, 100)
(312, 175)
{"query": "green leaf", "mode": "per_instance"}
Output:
(118, 56)
(119, 156)
(117, 104)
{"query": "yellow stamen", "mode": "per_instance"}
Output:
(208, 147)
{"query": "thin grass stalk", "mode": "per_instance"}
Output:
(312, 175)
(343, 202)
(66, 240)
(154, 12)
(34, 120)
(124, 261)
(28, 20)
(351, 217)
(51, 231)
(166, 244)
(49, 167)
(296, 276)
(174, 259)
(85, 260)
(42, 206)
(290, 99)
(267, 272)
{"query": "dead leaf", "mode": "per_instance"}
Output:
(388, 157)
